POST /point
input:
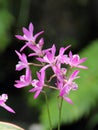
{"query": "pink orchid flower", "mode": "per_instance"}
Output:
(60, 73)
(53, 61)
(61, 56)
(3, 99)
(75, 61)
(49, 58)
(25, 80)
(38, 84)
(68, 85)
(23, 63)
(28, 36)
(37, 48)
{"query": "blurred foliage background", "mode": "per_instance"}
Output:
(64, 22)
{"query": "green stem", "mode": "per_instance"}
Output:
(61, 103)
(60, 112)
(46, 98)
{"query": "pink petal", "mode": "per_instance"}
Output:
(34, 48)
(68, 100)
(31, 28)
(49, 57)
(40, 59)
(19, 55)
(42, 75)
(62, 92)
(44, 68)
(53, 50)
(74, 74)
(24, 58)
(28, 77)
(82, 60)
(75, 59)
(37, 94)
(26, 33)
(36, 35)
(8, 108)
(23, 47)
(33, 89)
(82, 67)
(62, 50)
(1, 101)
(19, 37)
(41, 42)
(20, 67)
(74, 86)
(67, 47)
(19, 84)
(32, 54)
(38, 75)
(70, 55)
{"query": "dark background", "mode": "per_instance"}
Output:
(64, 22)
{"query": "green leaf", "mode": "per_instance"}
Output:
(6, 20)
(9, 126)
(84, 98)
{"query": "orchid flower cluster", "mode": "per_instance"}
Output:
(47, 58)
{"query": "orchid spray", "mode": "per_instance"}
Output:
(47, 58)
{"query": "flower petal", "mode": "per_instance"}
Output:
(8, 108)
(68, 100)
(73, 75)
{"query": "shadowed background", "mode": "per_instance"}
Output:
(64, 22)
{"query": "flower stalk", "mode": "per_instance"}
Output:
(60, 112)
(46, 58)
(47, 105)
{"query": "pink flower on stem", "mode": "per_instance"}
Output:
(61, 56)
(28, 36)
(60, 73)
(25, 80)
(38, 84)
(3, 99)
(53, 61)
(37, 48)
(67, 85)
(75, 61)
(49, 58)
(23, 63)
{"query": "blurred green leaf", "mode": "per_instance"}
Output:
(6, 20)
(9, 126)
(92, 123)
(84, 99)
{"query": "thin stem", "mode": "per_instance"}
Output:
(51, 78)
(60, 113)
(61, 103)
(48, 86)
(46, 98)
(35, 64)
